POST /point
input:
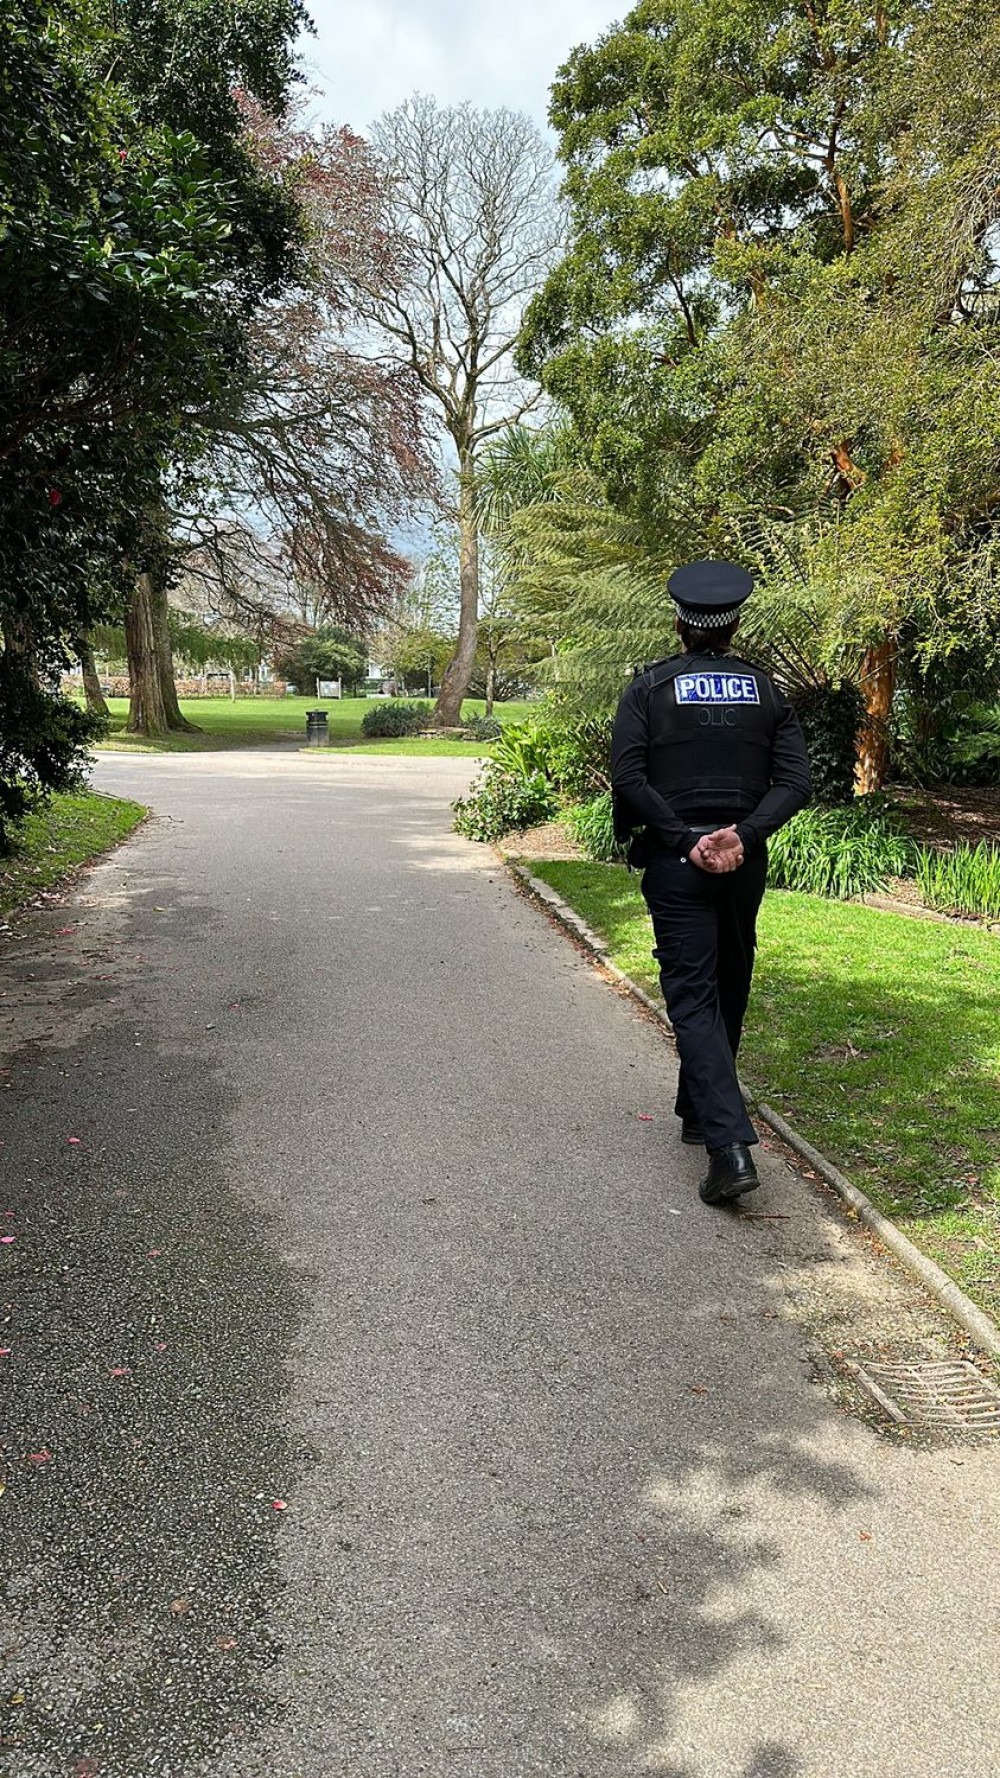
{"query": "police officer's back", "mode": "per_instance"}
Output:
(708, 761)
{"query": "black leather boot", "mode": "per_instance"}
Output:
(731, 1172)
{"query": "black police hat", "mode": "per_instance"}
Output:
(710, 594)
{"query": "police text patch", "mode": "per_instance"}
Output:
(716, 688)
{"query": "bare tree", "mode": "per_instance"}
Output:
(470, 202)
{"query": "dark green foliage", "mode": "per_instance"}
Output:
(831, 718)
(501, 801)
(966, 881)
(43, 741)
(841, 852)
(484, 728)
(592, 826)
(136, 235)
(333, 653)
(393, 718)
(974, 747)
(946, 736)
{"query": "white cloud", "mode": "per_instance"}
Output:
(369, 58)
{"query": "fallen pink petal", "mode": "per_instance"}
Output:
(645, 1117)
(74, 1141)
(5, 1240)
(121, 1370)
(279, 1505)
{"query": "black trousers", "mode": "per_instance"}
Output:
(706, 933)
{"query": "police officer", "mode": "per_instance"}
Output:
(708, 760)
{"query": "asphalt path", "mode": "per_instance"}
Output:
(379, 1399)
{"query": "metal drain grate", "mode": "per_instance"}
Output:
(950, 1393)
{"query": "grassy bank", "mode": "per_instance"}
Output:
(877, 1036)
(67, 832)
(263, 722)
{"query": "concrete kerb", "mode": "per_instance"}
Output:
(976, 1323)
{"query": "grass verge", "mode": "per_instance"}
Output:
(412, 746)
(877, 1037)
(67, 832)
(266, 722)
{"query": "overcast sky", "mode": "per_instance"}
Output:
(372, 55)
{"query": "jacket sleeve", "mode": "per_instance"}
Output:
(790, 782)
(629, 764)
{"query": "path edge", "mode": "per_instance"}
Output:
(974, 1320)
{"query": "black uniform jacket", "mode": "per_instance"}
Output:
(705, 740)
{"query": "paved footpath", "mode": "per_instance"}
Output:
(380, 1399)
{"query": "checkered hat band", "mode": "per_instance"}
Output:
(708, 620)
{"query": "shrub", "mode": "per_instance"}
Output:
(966, 881)
(975, 749)
(394, 718)
(523, 749)
(581, 756)
(575, 756)
(841, 852)
(501, 801)
(483, 728)
(592, 827)
(831, 718)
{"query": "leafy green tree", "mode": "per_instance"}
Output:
(779, 308)
(332, 653)
(187, 65)
(113, 262)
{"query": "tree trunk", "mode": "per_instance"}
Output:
(178, 723)
(147, 713)
(491, 678)
(455, 680)
(878, 684)
(91, 683)
(846, 212)
(153, 705)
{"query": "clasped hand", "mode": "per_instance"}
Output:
(718, 852)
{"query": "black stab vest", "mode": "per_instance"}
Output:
(712, 720)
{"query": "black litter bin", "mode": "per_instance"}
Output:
(317, 731)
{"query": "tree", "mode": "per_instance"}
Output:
(111, 304)
(183, 65)
(469, 197)
(323, 446)
(332, 653)
(779, 305)
(415, 639)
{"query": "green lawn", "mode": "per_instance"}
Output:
(259, 722)
(68, 831)
(878, 1037)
